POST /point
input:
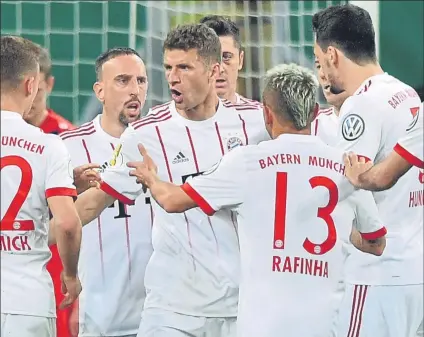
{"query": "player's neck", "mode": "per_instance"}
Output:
(203, 111)
(111, 125)
(358, 74)
(11, 104)
(232, 97)
(38, 119)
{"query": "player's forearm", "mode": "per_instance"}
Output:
(68, 238)
(385, 174)
(170, 197)
(91, 203)
(374, 247)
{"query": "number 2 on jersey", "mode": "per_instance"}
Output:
(323, 213)
(9, 222)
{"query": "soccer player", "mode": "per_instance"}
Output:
(232, 58)
(193, 275)
(36, 176)
(40, 114)
(289, 250)
(117, 245)
(50, 122)
(373, 118)
(408, 152)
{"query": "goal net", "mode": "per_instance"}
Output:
(76, 32)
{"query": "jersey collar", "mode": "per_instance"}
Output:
(197, 124)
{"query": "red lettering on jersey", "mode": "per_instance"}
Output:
(401, 96)
(421, 177)
(326, 163)
(279, 159)
(416, 198)
(22, 143)
(14, 243)
(300, 265)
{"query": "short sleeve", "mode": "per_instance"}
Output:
(222, 186)
(410, 146)
(368, 221)
(360, 127)
(116, 180)
(59, 170)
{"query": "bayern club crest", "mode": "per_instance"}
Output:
(233, 142)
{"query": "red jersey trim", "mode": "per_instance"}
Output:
(242, 106)
(61, 192)
(150, 119)
(375, 235)
(408, 156)
(198, 199)
(115, 194)
(84, 130)
(17, 225)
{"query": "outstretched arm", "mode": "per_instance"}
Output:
(170, 197)
(89, 205)
(375, 178)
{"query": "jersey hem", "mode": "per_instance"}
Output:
(384, 284)
(24, 313)
(408, 156)
(109, 334)
(189, 313)
(105, 187)
(198, 199)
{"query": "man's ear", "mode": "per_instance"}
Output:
(50, 84)
(316, 110)
(241, 60)
(99, 91)
(29, 85)
(216, 71)
(268, 118)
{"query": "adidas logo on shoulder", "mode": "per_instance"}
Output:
(180, 158)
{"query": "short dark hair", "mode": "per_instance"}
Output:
(223, 26)
(348, 28)
(111, 54)
(44, 59)
(17, 60)
(195, 36)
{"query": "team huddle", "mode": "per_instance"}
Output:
(215, 215)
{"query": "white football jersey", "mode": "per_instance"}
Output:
(194, 268)
(325, 126)
(286, 193)
(115, 247)
(371, 122)
(34, 167)
(410, 146)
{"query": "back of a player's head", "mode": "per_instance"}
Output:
(348, 28)
(223, 26)
(44, 60)
(198, 37)
(290, 92)
(18, 61)
(111, 54)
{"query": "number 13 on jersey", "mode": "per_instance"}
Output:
(323, 213)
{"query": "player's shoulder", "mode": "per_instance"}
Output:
(246, 106)
(155, 116)
(85, 130)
